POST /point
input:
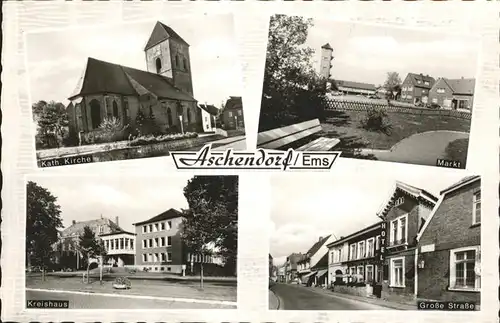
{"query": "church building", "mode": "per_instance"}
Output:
(163, 94)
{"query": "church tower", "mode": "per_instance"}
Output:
(326, 61)
(167, 54)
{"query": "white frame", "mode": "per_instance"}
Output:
(398, 220)
(373, 273)
(391, 272)
(358, 254)
(474, 209)
(367, 249)
(452, 279)
(351, 256)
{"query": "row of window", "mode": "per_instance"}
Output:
(369, 275)
(157, 242)
(238, 113)
(157, 257)
(155, 227)
(119, 243)
(363, 249)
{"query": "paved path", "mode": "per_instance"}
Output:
(99, 301)
(298, 297)
(422, 148)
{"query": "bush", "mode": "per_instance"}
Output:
(123, 281)
(151, 139)
(110, 124)
(376, 119)
(108, 133)
(457, 150)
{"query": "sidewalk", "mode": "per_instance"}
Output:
(274, 302)
(371, 300)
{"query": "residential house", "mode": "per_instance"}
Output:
(231, 115)
(281, 273)
(291, 266)
(415, 88)
(313, 266)
(163, 93)
(356, 88)
(454, 94)
(449, 260)
(353, 259)
(404, 212)
(209, 114)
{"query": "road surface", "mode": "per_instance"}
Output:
(90, 301)
(297, 297)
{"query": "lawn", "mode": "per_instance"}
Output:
(346, 125)
(211, 291)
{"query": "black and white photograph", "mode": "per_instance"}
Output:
(371, 91)
(131, 242)
(375, 242)
(134, 90)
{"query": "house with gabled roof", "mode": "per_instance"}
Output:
(449, 246)
(404, 212)
(313, 266)
(415, 88)
(163, 92)
(453, 94)
(209, 114)
(231, 115)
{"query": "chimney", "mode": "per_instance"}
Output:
(116, 221)
(462, 77)
(320, 238)
(73, 222)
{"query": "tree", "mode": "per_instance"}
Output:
(91, 248)
(292, 91)
(211, 223)
(52, 120)
(393, 85)
(42, 223)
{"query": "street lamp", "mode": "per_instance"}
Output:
(182, 126)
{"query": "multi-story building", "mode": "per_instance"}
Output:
(454, 94)
(404, 212)
(354, 258)
(67, 254)
(159, 245)
(209, 114)
(415, 88)
(325, 64)
(313, 266)
(120, 248)
(291, 267)
(231, 115)
(449, 260)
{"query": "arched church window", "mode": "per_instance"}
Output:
(176, 60)
(115, 109)
(158, 65)
(188, 112)
(95, 113)
(169, 116)
(185, 64)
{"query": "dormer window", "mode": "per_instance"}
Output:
(399, 201)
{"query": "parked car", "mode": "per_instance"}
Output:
(434, 106)
(296, 281)
(373, 97)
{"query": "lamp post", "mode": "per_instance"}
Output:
(183, 270)
(182, 126)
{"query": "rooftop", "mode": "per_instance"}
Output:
(167, 215)
(414, 77)
(461, 86)
(160, 33)
(464, 181)
(356, 85)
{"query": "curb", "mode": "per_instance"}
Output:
(277, 299)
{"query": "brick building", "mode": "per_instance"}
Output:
(404, 212)
(231, 116)
(353, 259)
(449, 260)
(454, 94)
(415, 88)
(291, 266)
(163, 93)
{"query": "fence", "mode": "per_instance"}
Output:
(351, 105)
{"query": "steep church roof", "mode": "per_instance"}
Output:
(160, 33)
(104, 77)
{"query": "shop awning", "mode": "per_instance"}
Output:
(322, 272)
(310, 274)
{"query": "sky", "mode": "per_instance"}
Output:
(308, 206)
(365, 53)
(56, 59)
(131, 199)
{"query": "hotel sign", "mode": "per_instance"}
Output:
(383, 238)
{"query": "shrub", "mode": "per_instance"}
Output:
(376, 119)
(151, 139)
(110, 124)
(123, 281)
(457, 150)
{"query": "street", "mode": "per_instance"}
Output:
(92, 301)
(297, 297)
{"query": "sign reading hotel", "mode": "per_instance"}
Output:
(383, 237)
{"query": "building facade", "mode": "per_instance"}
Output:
(314, 262)
(291, 267)
(415, 88)
(453, 94)
(356, 88)
(231, 115)
(449, 260)
(209, 114)
(325, 64)
(354, 259)
(159, 100)
(120, 248)
(404, 212)
(159, 245)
